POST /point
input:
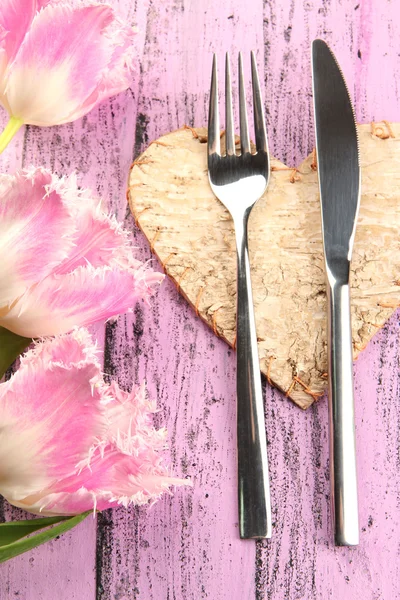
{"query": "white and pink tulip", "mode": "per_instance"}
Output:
(65, 263)
(58, 59)
(71, 443)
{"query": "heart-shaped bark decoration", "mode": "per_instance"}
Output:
(192, 235)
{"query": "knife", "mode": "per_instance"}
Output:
(339, 185)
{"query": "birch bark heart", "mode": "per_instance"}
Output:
(192, 235)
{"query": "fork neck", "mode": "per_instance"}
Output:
(241, 222)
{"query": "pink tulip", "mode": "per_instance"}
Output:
(64, 262)
(69, 442)
(59, 59)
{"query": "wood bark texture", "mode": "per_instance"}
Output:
(192, 234)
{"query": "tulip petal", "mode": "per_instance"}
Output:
(99, 239)
(59, 63)
(65, 262)
(117, 76)
(52, 388)
(86, 445)
(15, 19)
(33, 223)
(113, 481)
(120, 412)
(62, 302)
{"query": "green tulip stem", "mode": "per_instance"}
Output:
(13, 125)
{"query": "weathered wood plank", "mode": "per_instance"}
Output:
(186, 546)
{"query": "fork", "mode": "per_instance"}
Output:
(238, 181)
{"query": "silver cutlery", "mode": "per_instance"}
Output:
(238, 181)
(339, 182)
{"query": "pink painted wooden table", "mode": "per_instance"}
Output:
(187, 547)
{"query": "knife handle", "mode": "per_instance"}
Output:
(255, 521)
(341, 417)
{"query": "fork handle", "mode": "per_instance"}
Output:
(341, 417)
(253, 480)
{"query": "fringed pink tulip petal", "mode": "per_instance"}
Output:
(99, 240)
(120, 413)
(117, 77)
(36, 232)
(49, 403)
(65, 262)
(70, 59)
(84, 296)
(96, 244)
(113, 481)
(86, 445)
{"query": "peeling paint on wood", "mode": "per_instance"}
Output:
(186, 547)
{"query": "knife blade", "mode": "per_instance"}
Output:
(339, 183)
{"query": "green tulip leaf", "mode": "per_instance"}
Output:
(16, 530)
(11, 346)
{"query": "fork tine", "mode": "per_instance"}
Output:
(244, 127)
(213, 143)
(259, 119)
(229, 132)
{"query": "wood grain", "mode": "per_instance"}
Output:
(187, 547)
